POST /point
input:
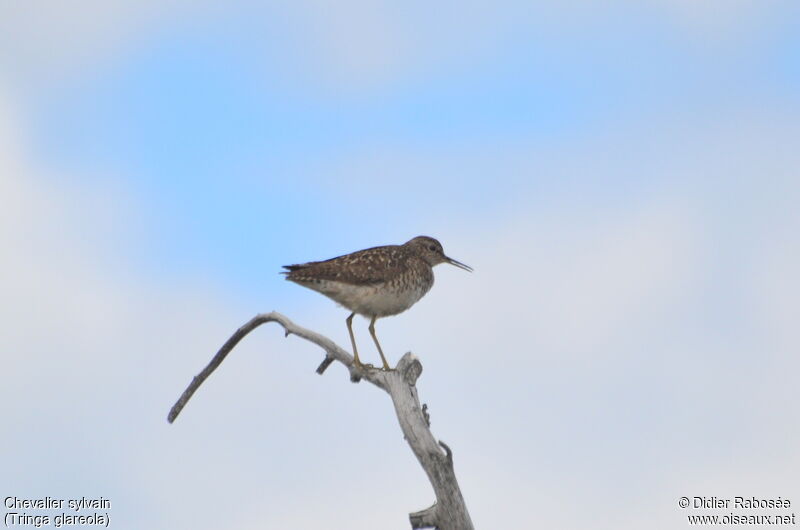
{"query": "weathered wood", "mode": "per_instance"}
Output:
(449, 512)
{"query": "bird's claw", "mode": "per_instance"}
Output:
(363, 366)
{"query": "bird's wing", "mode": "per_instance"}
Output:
(365, 267)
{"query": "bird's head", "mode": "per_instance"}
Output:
(431, 251)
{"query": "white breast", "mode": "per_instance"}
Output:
(372, 300)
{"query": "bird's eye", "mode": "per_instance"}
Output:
(432, 247)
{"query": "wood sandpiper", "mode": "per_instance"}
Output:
(375, 282)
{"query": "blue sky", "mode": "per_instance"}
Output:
(216, 126)
(622, 178)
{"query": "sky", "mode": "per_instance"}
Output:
(623, 178)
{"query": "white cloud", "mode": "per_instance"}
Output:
(649, 352)
(633, 344)
(352, 45)
(95, 351)
(721, 19)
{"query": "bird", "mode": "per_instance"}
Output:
(375, 282)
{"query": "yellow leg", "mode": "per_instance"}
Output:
(349, 321)
(375, 338)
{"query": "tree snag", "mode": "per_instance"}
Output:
(449, 511)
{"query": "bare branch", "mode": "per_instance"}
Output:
(333, 353)
(325, 364)
(449, 512)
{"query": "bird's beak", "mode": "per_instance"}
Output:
(458, 264)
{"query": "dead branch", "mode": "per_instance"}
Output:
(449, 512)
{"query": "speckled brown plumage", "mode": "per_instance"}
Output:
(365, 267)
(375, 282)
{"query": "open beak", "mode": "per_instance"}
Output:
(458, 264)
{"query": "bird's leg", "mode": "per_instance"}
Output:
(375, 338)
(349, 321)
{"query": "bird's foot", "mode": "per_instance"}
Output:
(363, 366)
